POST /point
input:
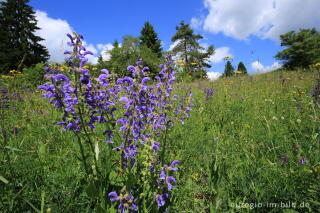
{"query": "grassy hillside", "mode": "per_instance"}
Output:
(252, 145)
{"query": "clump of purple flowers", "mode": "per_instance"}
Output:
(65, 93)
(146, 118)
(127, 202)
(136, 109)
(209, 92)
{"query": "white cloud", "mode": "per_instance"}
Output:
(219, 54)
(104, 50)
(257, 67)
(266, 19)
(54, 31)
(173, 45)
(213, 75)
(196, 23)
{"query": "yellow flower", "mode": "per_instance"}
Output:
(180, 61)
(317, 64)
(94, 68)
(181, 65)
(85, 67)
(194, 63)
(195, 176)
(238, 72)
(228, 57)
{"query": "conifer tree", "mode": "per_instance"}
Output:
(196, 60)
(242, 68)
(302, 48)
(19, 45)
(149, 38)
(229, 69)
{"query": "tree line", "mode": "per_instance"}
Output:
(20, 47)
(191, 55)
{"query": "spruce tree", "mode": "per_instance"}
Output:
(229, 69)
(19, 45)
(242, 68)
(149, 38)
(196, 60)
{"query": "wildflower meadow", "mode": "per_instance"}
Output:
(86, 141)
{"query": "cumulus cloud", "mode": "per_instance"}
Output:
(219, 54)
(257, 67)
(213, 75)
(54, 31)
(105, 50)
(266, 19)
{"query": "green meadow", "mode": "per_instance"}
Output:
(252, 146)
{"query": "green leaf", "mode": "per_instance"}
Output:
(42, 151)
(13, 149)
(3, 179)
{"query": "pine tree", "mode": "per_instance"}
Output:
(19, 45)
(196, 60)
(149, 38)
(302, 48)
(229, 69)
(242, 68)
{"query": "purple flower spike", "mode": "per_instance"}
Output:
(131, 69)
(144, 80)
(82, 48)
(160, 200)
(114, 196)
(172, 166)
(88, 52)
(102, 79)
(162, 175)
(105, 71)
(156, 146)
(170, 180)
(124, 99)
(83, 61)
(84, 80)
(68, 34)
(134, 207)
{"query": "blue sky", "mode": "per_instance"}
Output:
(248, 29)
